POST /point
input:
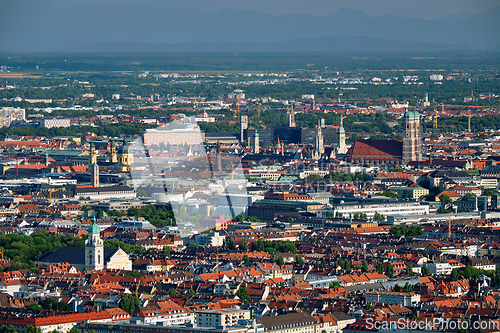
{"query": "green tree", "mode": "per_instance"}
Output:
(299, 261)
(229, 243)
(34, 307)
(454, 275)
(49, 304)
(425, 271)
(489, 192)
(243, 245)
(409, 269)
(243, 295)
(379, 217)
(408, 288)
(190, 293)
(389, 271)
(239, 218)
(166, 251)
(464, 326)
(364, 267)
(133, 274)
(379, 267)
(445, 199)
(7, 329)
(390, 194)
(33, 329)
(245, 258)
(281, 261)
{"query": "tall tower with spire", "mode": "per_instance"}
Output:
(319, 142)
(94, 249)
(243, 127)
(94, 174)
(93, 167)
(291, 117)
(92, 155)
(125, 157)
(113, 157)
(412, 145)
(341, 148)
(256, 146)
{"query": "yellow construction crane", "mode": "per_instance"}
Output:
(435, 120)
(50, 193)
(469, 122)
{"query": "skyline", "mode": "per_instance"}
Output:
(158, 26)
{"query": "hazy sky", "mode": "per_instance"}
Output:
(407, 8)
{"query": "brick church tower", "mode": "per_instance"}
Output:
(412, 144)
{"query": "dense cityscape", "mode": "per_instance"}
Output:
(347, 196)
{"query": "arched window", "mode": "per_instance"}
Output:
(99, 259)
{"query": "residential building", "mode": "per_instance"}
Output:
(213, 238)
(55, 122)
(292, 322)
(222, 317)
(392, 297)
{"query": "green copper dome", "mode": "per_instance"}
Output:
(410, 114)
(94, 229)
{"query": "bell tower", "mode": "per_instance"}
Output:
(412, 145)
(319, 141)
(94, 249)
(126, 158)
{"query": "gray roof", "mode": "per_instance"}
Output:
(364, 287)
(72, 255)
(341, 316)
(288, 320)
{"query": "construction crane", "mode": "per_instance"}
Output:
(50, 194)
(469, 122)
(309, 65)
(435, 120)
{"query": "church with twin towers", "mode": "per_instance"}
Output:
(329, 141)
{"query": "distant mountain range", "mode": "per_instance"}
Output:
(36, 26)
